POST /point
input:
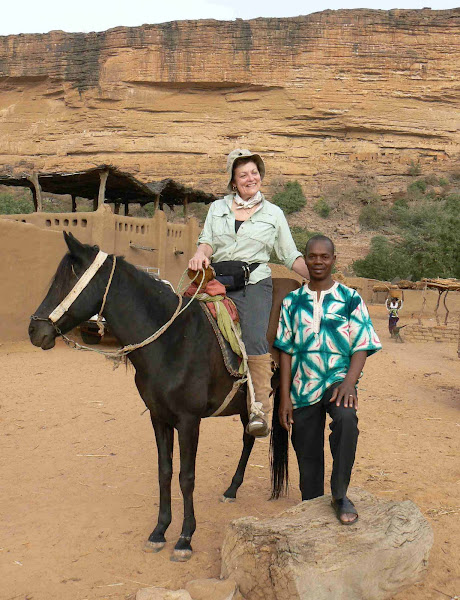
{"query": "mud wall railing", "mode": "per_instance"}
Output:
(148, 242)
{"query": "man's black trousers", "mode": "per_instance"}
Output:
(308, 442)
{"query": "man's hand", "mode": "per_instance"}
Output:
(347, 392)
(285, 414)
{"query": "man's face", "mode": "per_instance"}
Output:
(320, 260)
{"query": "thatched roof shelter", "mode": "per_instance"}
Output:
(173, 193)
(107, 183)
(443, 285)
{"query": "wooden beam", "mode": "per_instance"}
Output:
(103, 181)
(36, 192)
(186, 208)
(74, 204)
(34, 198)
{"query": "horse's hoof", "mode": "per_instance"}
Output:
(181, 555)
(153, 546)
(226, 499)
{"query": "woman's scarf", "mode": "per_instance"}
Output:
(240, 203)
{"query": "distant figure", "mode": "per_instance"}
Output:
(393, 305)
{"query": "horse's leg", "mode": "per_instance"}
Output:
(164, 435)
(188, 430)
(248, 443)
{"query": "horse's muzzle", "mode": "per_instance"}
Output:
(42, 334)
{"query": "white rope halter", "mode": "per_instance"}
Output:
(64, 306)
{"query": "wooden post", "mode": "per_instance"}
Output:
(36, 192)
(186, 208)
(126, 209)
(95, 202)
(157, 202)
(34, 198)
(103, 181)
(74, 204)
(423, 304)
(440, 293)
(116, 209)
(445, 306)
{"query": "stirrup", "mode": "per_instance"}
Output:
(257, 427)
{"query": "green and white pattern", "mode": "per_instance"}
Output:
(322, 334)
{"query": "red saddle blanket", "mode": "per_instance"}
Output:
(214, 288)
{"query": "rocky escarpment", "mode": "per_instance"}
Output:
(324, 97)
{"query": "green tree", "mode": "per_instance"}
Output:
(427, 245)
(373, 216)
(291, 199)
(322, 208)
(15, 205)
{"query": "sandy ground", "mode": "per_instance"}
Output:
(79, 483)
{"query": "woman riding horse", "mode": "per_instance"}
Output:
(245, 226)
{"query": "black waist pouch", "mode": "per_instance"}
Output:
(233, 274)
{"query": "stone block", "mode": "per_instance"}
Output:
(306, 554)
(212, 589)
(154, 593)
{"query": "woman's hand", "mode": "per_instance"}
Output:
(201, 258)
(285, 413)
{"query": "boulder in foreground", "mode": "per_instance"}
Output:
(213, 589)
(306, 554)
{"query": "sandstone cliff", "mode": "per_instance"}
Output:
(327, 96)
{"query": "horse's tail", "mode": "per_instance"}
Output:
(279, 454)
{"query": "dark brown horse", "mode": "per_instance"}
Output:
(181, 376)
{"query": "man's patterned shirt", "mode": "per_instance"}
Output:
(322, 334)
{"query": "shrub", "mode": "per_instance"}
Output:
(417, 186)
(400, 203)
(373, 216)
(291, 199)
(322, 208)
(431, 179)
(442, 181)
(15, 205)
(415, 168)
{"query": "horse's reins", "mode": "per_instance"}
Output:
(81, 284)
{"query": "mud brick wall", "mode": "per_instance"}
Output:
(437, 333)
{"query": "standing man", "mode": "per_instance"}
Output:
(325, 335)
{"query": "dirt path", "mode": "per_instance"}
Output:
(78, 471)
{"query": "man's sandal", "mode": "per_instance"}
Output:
(344, 506)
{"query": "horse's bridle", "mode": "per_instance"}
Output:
(77, 289)
(63, 307)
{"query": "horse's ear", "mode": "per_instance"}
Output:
(75, 247)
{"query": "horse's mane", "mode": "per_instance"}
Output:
(148, 281)
(63, 276)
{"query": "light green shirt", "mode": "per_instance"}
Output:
(266, 230)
